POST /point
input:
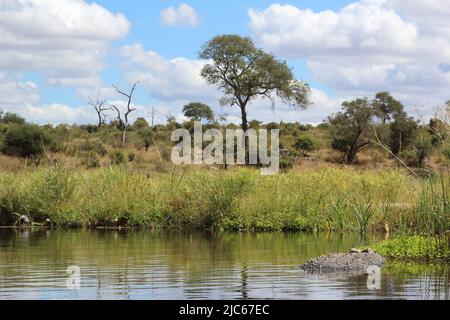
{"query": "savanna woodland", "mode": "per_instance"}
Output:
(371, 167)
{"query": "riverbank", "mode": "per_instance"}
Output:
(239, 199)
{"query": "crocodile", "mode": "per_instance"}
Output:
(355, 262)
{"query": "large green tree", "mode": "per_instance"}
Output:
(351, 128)
(243, 73)
(198, 111)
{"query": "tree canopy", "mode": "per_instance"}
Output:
(386, 107)
(11, 118)
(243, 73)
(198, 111)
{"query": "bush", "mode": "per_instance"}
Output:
(423, 149)
(91, 160)
(117, 157)
(11, 118)
(409, 157)
(25, 141)
(131, 157)
(305, 144)
(93, 145)
(286, 163)
(416, 158)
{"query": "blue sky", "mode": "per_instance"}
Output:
(216, 17)
(56, 53)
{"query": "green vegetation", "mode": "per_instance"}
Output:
(198, 111)
(356, 136)
(117, 157)
(25, 140)
(243, 73)
(370, 167)
(238, 199)
(351, 128)
(415, 247)
(305, 144)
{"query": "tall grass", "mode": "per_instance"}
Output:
(238, 199)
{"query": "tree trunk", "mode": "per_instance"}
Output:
(245, 129)
(351, 154)
(244, 119)
(99, 120)
(351, 157)
(124, 137)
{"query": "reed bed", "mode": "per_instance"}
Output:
(327, 199)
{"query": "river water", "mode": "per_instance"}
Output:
(164, 265)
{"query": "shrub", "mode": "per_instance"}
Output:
(305, 144)
(91, 160)
(11, 118)
(131, 157)
(25, 141)
(423, 149)
(117, 157)
(93, 145)
(286, 163)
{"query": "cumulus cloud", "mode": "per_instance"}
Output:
(358, 28)
(66, 39)
(15, 93)
(166, 79)
(23, 98)
(367, 46)
(184, 15)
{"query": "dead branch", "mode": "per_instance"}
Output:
(100, 108)
(124, 121)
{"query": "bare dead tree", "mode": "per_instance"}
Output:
(123, 117)
(101, 108)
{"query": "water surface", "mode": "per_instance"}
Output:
(161, 265)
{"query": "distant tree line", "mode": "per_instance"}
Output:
(242, 73)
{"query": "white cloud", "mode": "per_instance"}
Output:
(359, 28)
(23, 98)
(184, 15)
(166, 79)
(15, 93)
(66, 40)
(368, 46)
(57, 113)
